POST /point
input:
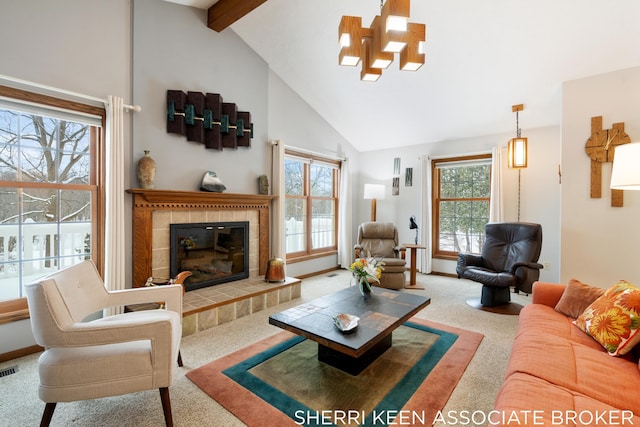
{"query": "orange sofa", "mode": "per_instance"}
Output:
(559, 376)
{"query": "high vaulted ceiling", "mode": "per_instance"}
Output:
(481, 58)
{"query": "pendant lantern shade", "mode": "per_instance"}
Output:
(517, 153)
(517, 148)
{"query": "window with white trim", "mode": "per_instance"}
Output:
(50, 194)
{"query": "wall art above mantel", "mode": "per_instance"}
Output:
(205, 118)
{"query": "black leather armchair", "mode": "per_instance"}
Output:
(509, 259)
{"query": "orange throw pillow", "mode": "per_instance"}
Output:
(614, 319)
(577, 297)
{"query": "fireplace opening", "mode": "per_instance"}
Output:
(214, 252)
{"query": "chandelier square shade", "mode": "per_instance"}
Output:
(375, 47)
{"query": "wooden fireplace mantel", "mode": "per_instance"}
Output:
(145, 202)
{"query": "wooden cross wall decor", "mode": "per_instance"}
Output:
(600, 147)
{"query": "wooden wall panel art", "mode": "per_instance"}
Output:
(206, 119)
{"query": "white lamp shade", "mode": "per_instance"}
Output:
(625, 174)
(374, 191)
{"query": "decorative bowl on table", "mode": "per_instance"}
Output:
(346, 322)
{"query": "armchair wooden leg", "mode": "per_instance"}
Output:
(166, 406)
(179, 359)
(48, 414)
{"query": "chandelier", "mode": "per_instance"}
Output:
(389, 33)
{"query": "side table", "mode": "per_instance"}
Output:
(413, 249)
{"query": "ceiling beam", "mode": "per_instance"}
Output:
(226, 12)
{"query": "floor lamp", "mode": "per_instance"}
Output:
(373, 192)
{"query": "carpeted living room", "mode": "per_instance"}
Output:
(193, 407)
(195, 196)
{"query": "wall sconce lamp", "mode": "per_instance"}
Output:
(517, 148)
(389, 33)
(373, 192)
(625, 174)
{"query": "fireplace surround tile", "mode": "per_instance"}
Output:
(155, 210)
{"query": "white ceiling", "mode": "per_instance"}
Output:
(482, 58)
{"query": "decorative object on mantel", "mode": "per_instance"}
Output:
(205, 118)
(275, 270)
(600, 147)
(263, 184)
(211, 182)
(146, 171)
(389, 33)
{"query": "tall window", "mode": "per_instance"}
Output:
(311, 205)
(461, 195)
(49, 192)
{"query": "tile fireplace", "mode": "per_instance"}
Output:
(214, 252)
(155, 210)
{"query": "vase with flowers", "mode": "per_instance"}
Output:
(365, 272)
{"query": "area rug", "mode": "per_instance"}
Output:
(279, 381)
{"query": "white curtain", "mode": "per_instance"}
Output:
(496, 204)
(277, 178)
(345, 241)
(114, 262)
(425, 228)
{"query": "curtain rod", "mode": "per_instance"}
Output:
(314, 153)
(27, 83)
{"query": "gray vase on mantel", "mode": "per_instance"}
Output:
(146, 171)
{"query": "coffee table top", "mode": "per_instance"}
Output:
(380, 313)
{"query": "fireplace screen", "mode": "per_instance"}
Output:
(213, 252)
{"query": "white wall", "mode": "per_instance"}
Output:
(73, 45)
(174, 50)
(295, 123)
(599, 243)
(192, 57)
(540, 190)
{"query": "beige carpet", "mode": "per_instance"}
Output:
(416, 375)
(476, 390)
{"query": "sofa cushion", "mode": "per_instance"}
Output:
(571, 365)
(614, 319)
(542, 320)
(525, 400)
(577, 297)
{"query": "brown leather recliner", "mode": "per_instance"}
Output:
(509, 259)
(380, 240)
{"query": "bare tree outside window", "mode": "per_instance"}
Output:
(47, 192)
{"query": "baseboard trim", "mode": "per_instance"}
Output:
(4, 357)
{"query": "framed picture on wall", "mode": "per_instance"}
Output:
(396, 166)
(408, 177)
(395, 187)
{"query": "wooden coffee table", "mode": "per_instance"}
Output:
(380, 313)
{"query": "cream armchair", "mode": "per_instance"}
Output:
(110, 356)
(380, 240)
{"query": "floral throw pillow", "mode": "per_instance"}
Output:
(614, 319)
